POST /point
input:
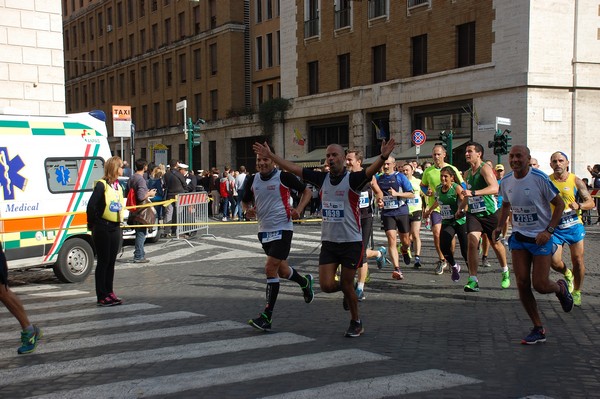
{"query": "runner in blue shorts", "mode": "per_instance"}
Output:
(528, 193)
(570, 230)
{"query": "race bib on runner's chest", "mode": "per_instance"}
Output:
(569, 218)
(476, 204)
(390, 202)
(333, 211)
(364, 199)
(446, 212)
(524, 216)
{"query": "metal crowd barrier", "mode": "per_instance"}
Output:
(192, 214)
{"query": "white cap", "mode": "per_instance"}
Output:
(182, 166)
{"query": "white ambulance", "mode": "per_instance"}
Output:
(48, 166)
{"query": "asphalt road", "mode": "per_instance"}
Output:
(182, 331)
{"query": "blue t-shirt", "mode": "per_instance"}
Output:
(394, 206)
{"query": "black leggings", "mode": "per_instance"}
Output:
(446, 236)
(107, 239)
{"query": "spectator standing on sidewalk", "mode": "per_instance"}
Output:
(528, 192)
(175, 182)
(269, 191)
(30, 334)
(340, 231)
(570, 230)
(239, 187)
(215, 192)
(142, 194)
(104, 217)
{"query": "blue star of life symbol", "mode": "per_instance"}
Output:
(9, 174)
(62, 175)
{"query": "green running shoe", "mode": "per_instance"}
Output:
(29, 341)
(576, 297)
(307, 290)
(472, 285)
(505, 279)
(569, 279)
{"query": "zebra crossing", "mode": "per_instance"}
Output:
(150, 351)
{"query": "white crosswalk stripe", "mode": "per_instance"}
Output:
(113, 332)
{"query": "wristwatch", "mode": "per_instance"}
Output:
(550, 229)
(473, 193)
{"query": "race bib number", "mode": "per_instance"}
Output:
(364, 199)
(413, 201)
(333, 211)
(114, 206)
(269, 236)
(569, 218)
(524, 216)
(476, 204)
(390, 202)
(446, 212)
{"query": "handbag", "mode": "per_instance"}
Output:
(145, 215)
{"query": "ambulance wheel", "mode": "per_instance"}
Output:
(75, 261)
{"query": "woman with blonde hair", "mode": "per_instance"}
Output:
(104, 216)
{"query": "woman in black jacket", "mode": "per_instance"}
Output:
(104, 216)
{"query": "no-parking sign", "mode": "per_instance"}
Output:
(419, 137)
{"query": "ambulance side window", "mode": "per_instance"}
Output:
(67, 175)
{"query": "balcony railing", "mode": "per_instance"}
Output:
(416, 3)
(342, 18)
(377, 8)
(311, 27)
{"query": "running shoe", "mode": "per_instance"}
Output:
(441, 265)
(537, 334)
(360, 294)
(576, 297)
(381, 259)
(406, 256)
(472, 285)
(417, 264)
(262, 323)
(397, 274)
(307, 290)
(485, 262)
(569, 279)
(115, 298)
(29, 340)
(505, 279)
(106, 302)
(455, 272)
(355, 329)
(564, 296)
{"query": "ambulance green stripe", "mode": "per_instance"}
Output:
(14, 124)
(48, 132)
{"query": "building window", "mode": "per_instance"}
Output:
(198, 105)
(93, 92)
(181, 23)
(197, 64)
(379, 64)
(119, 15)
(270, 93)
(142, 4)
(155, 76)
(313, 77)
(111, 55)
(130, 11)
(260, 95)
(109, 17)
(169, 112)
(167, 31)
(144, 117)
(144, 79)
(465, 45)
(93, 60)
(132, 83)
(269, 9)
(212, 9)
(213, 58)
(419, 55)
(132, 45)
(169, 72)
(154, 5)
(278, 48)
(154, 36)
(74, 35)
(82, 28)
(197, 28)
(344, 71)
(417, 3)
(122, 86)
(259, 11)
(343, 13)
(83, 63)
(91, 27)
(102, 91)
(214, 104)
(259, 53)
(111, 88)
(323, 135)
(269, 50)
(85, 97)
(120, 50)
(100, 24)
(377, 8)
(142, 40)
(311, 18)
(182, 69)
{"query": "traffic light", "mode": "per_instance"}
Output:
(501, 143)
(498, 143)
(446, 138)
(505, 145)
(193, 136)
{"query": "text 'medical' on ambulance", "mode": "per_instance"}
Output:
(48, 167)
